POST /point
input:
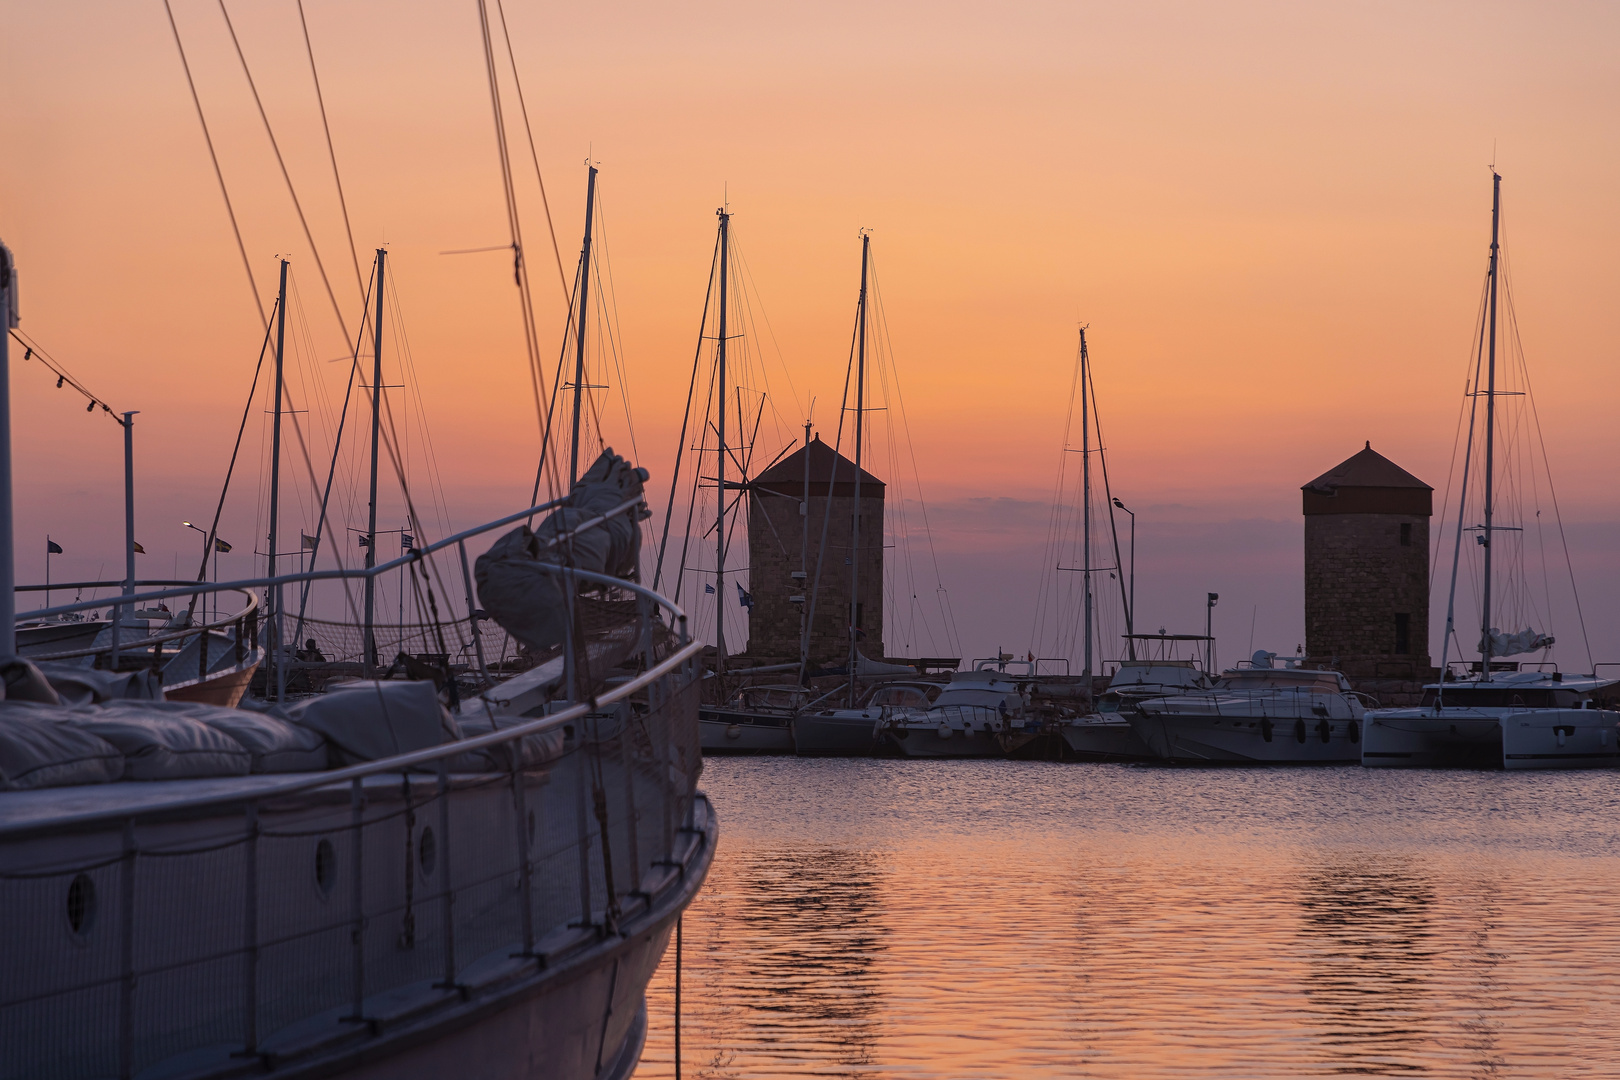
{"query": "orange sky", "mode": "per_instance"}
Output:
(1274, 217)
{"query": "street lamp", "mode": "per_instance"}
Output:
(216, 546)
(1209, 633)
(1130, 604)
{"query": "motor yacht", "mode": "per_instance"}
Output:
(1261, 714)
(1106, 734)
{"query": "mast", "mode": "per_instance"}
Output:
(8, 570)
(579, 341)
(720, 473)
(804, 561)
(376, 430)
(1085, 498)
(855, 518)
(275, 482)
(1490, 432)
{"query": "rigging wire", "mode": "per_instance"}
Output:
(331, 152)
(520, 274)
(523, 108)
(224, 192)
(680, 446)
(953, 638)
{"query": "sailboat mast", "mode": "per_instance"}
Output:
(376, 432)
(1490, 431)
(855, 518)
(804, 561)
(720, 458)
(579, 340)
(275, 482)
(8, 569)
(1085, 498)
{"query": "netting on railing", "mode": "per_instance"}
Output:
(235, 929)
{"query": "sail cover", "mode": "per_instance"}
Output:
(1525, 641)
(519, 584)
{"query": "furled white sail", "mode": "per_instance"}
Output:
(1525, 641)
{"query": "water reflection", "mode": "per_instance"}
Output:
(993, 919)
(1367, 927)
(782, 963)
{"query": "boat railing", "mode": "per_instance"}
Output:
(303, 907)
(243, 621)
(414, 557)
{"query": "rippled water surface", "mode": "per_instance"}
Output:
(960, 918)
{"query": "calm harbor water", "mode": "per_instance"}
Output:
(961, 918)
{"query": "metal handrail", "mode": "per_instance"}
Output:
(690, 650)
(191, 630)
(361, 573)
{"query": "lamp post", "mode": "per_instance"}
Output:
(1209, 633)
(204, 532)
(1130, 602)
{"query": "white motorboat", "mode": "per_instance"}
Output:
(969, 719)
(1513, 720)
(1107, 735)
(859, 732)
(1256, 715)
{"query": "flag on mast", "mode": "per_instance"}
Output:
(52, 547)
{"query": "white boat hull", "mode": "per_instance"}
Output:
(1537, 739)
(1103, 740)
(837, 734)
(728, 734)
(1240, 740)
(955, 731)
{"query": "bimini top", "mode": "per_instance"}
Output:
(1368, 483)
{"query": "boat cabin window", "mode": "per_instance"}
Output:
(989, 699)
(904, 697)
(1505, 697)
(771, 697)
(1322, 682)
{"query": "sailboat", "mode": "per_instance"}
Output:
(1497, 715)
(371, 881)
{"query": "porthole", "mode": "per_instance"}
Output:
(325, 867)
(81, 904)
(427, 852)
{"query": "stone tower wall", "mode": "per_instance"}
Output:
(1358, 578)
(775, 536)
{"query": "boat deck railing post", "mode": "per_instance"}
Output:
(582, 826)
(627, 766)
(250, 935)
(447, 887)
(520, 833)
(357, 801)
(126, 958)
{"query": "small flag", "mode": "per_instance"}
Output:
(221, 546)
(309, 541)
(52, 547)
(746, 599)
(406, 541)
(138, 549)
(365, 541)
(708, 588)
